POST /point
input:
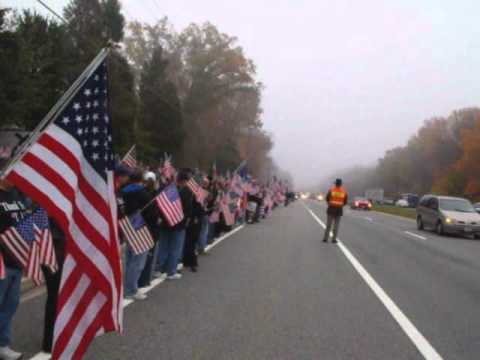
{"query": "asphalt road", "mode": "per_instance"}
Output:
(274, 291)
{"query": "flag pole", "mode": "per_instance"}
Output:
(56, 109)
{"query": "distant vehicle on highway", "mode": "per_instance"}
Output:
(387, 201)
(361, 204)
(448, 215)
(402, 203)
(412, 199)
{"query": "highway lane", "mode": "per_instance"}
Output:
(271, 291)
(435, 280)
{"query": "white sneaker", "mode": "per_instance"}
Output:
(8, 354)
(139, 296)
(177, 276)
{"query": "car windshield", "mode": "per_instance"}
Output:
(456, 205)
(359, 199)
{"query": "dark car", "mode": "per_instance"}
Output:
(361, 203)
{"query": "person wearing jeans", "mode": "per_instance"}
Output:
(170, 252)
(134, 265)
(9, 300)
(135, 199)
(172, 239)
(12, 209)
(203, 236)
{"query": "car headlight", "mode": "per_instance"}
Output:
(449, 220)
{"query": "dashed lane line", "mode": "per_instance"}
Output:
(415, 235)
(420, 342)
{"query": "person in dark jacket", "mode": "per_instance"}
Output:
(336, 198)
(12, 209)
(204, 223)
(192, 235)
(135, 197)
(152, 217)
(52, 282)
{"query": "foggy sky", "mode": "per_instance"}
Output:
(345, 80)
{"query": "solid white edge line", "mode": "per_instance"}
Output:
(415, 235)
(42, 356)
(155, 283)
(220, 239)
(421, 343)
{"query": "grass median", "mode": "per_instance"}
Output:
(395, 210)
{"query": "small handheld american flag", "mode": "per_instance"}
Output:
(130, 158)
(20, 242)
(169, 203)
(200, 193)
(136, 233)
(17, 240)
(167, 170)
(43, 236)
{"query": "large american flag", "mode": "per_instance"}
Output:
(43, 236)
(169, 203)
(136, 233)
(130, 158)
(69, 172)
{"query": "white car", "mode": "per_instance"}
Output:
(402, 203)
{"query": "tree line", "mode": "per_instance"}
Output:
(443, 157)
(192, 94)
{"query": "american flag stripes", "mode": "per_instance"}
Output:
(68, 170)
(136, 233)
(18, 239)
(3, 271)
(130, 158)
(167, 170)
(43, 236)
(170, 205)
(227, 212)
(200, 193)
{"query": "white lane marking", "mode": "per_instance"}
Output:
(155, 283)
(42, 356)
(415, 235)
(422, 344)
(368, 218)
(220, 239)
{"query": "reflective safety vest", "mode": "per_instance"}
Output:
(337, 197)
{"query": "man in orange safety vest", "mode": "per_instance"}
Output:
(336, 198)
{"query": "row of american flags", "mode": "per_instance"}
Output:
(67, 169)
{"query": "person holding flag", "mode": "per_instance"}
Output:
(175, 203)
(12, 209)
(136, 197)
(66, 167)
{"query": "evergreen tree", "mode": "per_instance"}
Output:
(160, 120)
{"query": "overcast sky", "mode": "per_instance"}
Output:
(345, 79)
